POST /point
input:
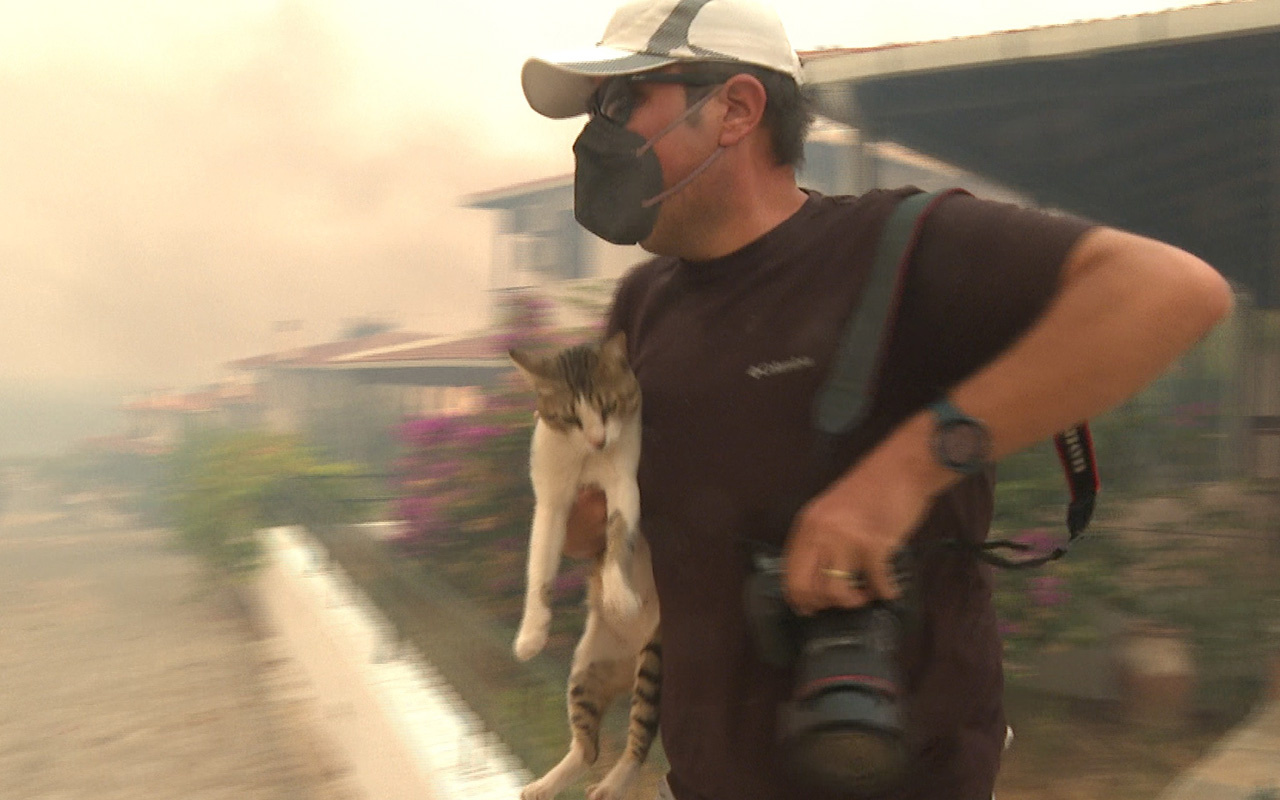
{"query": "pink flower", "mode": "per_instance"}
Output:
(475, 435)
(1010, 628)
(1040, 541)
(1048, 591)
(426, 431)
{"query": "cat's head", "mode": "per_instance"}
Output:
(588, 391)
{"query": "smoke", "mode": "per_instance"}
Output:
(155, 222)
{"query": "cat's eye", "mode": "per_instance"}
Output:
(572, 419)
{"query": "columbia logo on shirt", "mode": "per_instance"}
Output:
(769, 369)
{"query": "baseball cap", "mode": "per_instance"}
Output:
(647, 34)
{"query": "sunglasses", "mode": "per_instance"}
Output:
(616, 98)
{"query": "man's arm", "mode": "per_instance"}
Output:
(1126, 308)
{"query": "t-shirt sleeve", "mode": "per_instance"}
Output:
(621, 309)
(981, 274)
(631, 296)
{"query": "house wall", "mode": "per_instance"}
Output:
(349, 417)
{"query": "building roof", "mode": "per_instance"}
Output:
(317, 354)
(206, 399)
(167, 401)
(501, 197)
(1182, 24)
(469, 347)
(1164, 124)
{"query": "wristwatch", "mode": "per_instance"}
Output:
(960, 442)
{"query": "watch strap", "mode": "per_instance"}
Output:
(946, 414)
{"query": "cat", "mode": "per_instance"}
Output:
(588, 433)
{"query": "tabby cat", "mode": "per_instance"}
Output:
(588, 433)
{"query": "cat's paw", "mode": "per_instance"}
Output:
(615, 784)
(532, 634)
(602, 792)
(538, 790)
(529, 641)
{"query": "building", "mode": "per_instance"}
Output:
(157, 422)
(349, 396)
(1166, 124)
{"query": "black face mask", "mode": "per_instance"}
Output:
(617, 180)
(615, 174)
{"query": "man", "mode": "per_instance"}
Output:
(1025, 321)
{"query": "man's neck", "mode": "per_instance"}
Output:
(753, 211)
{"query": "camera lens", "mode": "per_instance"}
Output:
(856, 761)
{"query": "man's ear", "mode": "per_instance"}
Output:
(745, 99)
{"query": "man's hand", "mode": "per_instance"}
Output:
(585, 530)
(840, 550)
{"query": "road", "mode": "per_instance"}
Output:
(122, 676)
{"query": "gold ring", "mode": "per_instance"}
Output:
(854, 579)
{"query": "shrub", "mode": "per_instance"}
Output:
(225, 485)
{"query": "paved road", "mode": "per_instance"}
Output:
(1243, 766)
(121, 678)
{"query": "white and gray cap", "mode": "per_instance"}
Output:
(647, 34)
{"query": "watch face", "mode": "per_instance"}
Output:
(964, 444)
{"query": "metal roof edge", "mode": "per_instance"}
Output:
(494, 199)
(426, 341)
(471, 363)
(1059, 41)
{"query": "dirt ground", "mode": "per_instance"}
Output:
(124, 678)
(1066, 752)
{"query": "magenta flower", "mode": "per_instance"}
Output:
(1048, 591)
(427, 431)
(1010, 629)
(1040, 541)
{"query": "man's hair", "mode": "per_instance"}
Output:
(788, 113)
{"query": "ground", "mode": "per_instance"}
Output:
(124, 678)
(1061, 752)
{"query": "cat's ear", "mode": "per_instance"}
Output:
(531, 366)
(614, 349)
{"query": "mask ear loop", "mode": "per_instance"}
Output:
(698, 170)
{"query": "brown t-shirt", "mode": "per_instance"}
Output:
(730, 354)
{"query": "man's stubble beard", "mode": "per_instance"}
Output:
(685, 218)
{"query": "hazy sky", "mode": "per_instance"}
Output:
(176, 175)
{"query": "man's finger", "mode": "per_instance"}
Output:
(880, 582)
(801, 579)
(844, 588)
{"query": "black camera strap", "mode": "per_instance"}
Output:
(845, 398)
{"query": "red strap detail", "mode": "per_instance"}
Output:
(820, 685)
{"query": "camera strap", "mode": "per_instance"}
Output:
(845, 397)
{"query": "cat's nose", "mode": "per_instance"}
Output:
(598, 443)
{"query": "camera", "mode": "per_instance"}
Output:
(842, 729)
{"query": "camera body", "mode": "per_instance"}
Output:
(842, 729)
